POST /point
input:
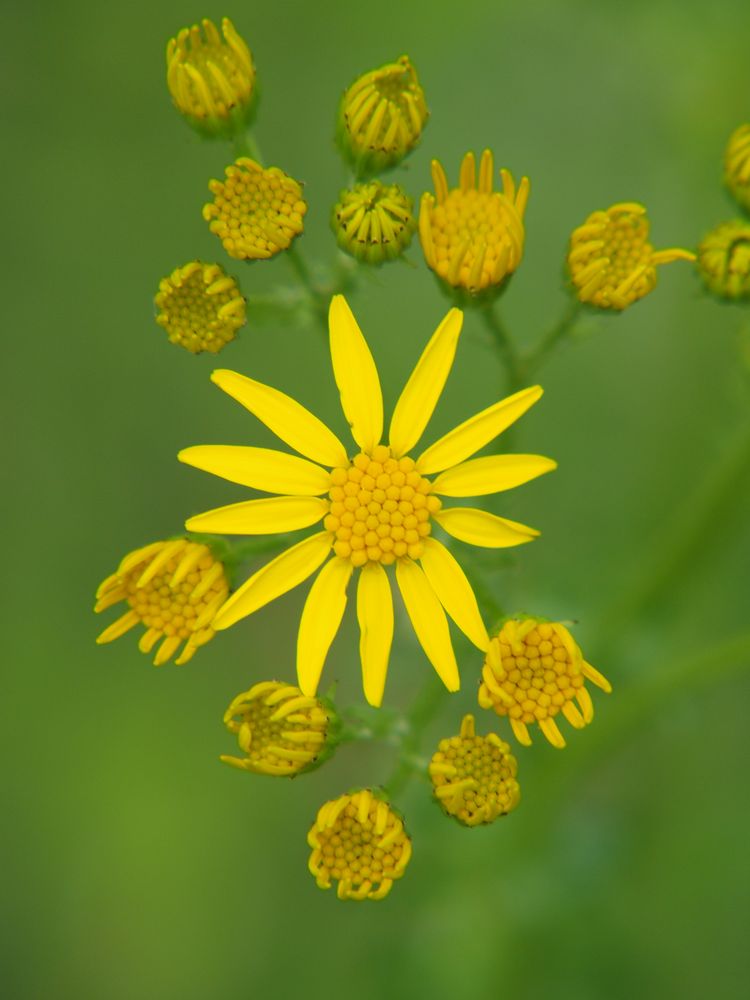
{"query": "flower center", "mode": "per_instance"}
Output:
(198, 311)
(380, 508)
(626, 244)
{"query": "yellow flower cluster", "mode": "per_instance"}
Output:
(200, 307)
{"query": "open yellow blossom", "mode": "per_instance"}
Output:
(373, 221)
(174, 588)
(280, 730)
(474, 777)
(200, 306)
(724, 260)
(472, 236)
(534, 670)
(360, 842)
(611, 262)
(377, 506)
(211, 77)
(737, 165)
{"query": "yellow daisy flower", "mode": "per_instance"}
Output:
(377, 506)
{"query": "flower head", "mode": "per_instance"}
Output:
(474, 777)
(737, 165)
(377, 506)
(533, 671)
(200, 307)
(724, 260)
(256, 211)
(174, 588)
(374, 221)
(381, 117)
(281, 731)
(611, 262)
(360, 842)
(472, 236)
(211, 77)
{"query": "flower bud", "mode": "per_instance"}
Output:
(737, 166)
(200, 307)
(373, 221)
(724, 260)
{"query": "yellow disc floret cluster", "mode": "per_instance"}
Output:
(472, 236)
(380, 508)
(200, 307)
(174, 588)
(474, 777)
(374, 221)
(256, 211)
(724, 260)
(612, 264)
(280, 730)
(360, 842)
(737, 165)
(533, 671)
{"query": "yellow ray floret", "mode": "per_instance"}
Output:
(359, 842)
(374, 222)
(533, 672)
(737, 165)
(256, 211)
(200, 307)
(473, 236)
(724, 260)
(611, 262)
(174, 588)
(375, 505)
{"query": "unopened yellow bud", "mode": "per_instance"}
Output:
(374, 221)
(724, 260)
(737, 165)
(200, 307)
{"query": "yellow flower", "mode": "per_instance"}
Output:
(611, 262)
(256, 211)
(200, 307)
(374, 221)
(174, 588)
(737, 165)
(211, 78)
(724, 260)
(474, 777)
(359, 841)
(377, 507)
(381, 117)
(281, 731)
(472, 236)
(533, 671)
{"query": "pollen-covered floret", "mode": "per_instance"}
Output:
(474, 777)
(737, 165)
(174, 588)
(373, 221)
(256, 212)
(380, 508)
(533, 671)
(200, 307)
(360, 842)
(724, 260)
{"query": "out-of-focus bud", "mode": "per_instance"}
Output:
(200, 306)
(724, 260)
(737, 166)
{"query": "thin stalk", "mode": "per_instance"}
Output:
(550, 340)
(244, 144)
(317, 297)
(422, 712)
(505, 346)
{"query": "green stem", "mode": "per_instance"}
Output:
(421, 713)
(505, 345)
(318, 298)
(244, 144)
(549, 341)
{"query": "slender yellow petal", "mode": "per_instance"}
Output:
(283, 573)
(375, 615)
(261, 517)
(429, 621)
(321, 617)
(466, 439)
(454, 592)
(287, 418)
(356, 375)
(422, 391)
(492, 474)
(259, 468)
(479, 527)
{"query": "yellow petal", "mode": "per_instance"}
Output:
(283, 573)
(375, 615)
(356, 376)
(259, 468)
(429, 621)
(261, 517)
(422, 391)
(466, 439)
(454, 591)
(321, 617)
(492, 474)
(479, 527)
(287, 418)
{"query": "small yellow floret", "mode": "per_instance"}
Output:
(533, 671)
(200, 307)
(256, 211)
(174, 588)
(474, 777)
(724, 260)
(360, 842)
(737, 165)
(611, 262)
(281, 731)
(374, 221)
(472, 236)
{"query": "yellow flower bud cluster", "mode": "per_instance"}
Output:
(200, 307)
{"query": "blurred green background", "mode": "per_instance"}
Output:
(136, 866)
